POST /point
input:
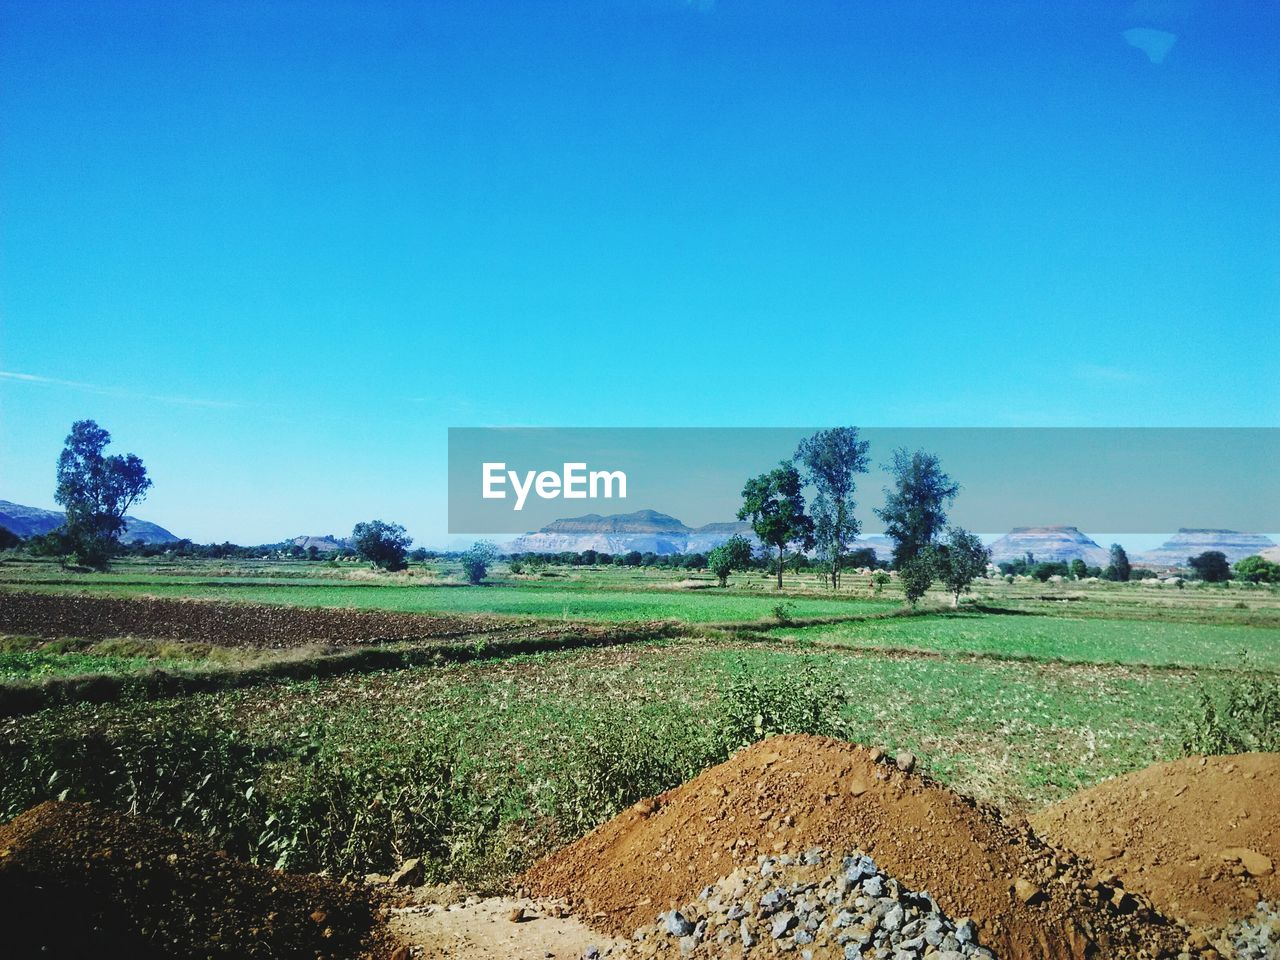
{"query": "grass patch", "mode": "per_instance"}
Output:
(1088, 640)
(481, 767)
(578, 603)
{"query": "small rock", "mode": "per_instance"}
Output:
(1255, 864)
(781, 924)
(518, 915)
(1027, 891)
(906, 761)
(677, 925)
(410, 874)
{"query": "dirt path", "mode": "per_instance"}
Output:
(484, 929)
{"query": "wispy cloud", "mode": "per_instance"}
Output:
(1156, 44)
(1098, 373)
(36, 380)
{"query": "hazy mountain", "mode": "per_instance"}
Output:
(1049, 544)
(649, 532)
(1189, 542)
(326, 544)
(33, 521)
(645, 530)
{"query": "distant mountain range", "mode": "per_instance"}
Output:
(34, 521)
(1191, 542)
(1048, 545)
(647, 531)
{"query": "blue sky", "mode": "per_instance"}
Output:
(278, 248)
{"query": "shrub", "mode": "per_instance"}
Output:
(1240, 715)
(804, 700)
(476, 560)
(917, 576)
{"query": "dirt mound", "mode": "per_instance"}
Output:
(77, 881)
(1199, 837)
(798, 792)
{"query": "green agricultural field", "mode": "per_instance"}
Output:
(1043, 637)
(1027, 694)
(576, 603)
(487, 765)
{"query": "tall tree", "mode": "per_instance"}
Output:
(1119, 569)
(914, 511)
(774, 504)
(1211, 566)
(960, 561)
(832, 460)
(96, 491)
(381, 544)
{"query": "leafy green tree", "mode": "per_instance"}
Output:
(916, 575)
(775, 506)
(381, 544)
(1211, 566)
(733, 554)
(695, 561)
(1258, 569)
(862, 557)
(960, 561)
(914, 511)
(1078, 569)
(96, 491)
(1050, 568)
(477, 559)
(8, 539)
(1119, 569)
(832, 460)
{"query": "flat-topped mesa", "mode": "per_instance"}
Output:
(1055, 544)
(647, 531)
(1191, 542)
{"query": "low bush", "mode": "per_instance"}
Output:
(754, 706)
(1238, 715)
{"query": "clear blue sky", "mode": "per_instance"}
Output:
(278, 248)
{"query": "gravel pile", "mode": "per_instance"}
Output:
(1257, 937)
(811, 906)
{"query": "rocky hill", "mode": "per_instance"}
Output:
(649, 532)
(326, 544)
(1188, 542)
(645, 530)
(33, 521)
(1048, 544)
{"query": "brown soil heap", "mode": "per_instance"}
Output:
(797, 792)
(1200, 837)
(76, 881)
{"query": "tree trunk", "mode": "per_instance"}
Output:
(781, 547)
